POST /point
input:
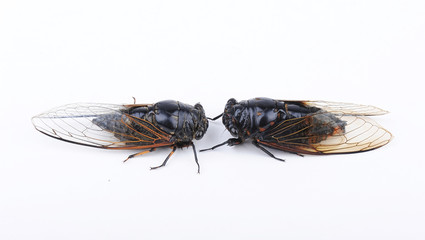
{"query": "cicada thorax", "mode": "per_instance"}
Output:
(247, 118)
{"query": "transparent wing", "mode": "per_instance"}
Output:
(100, 125)
(361, 134)
(341, 108)
(314, 135)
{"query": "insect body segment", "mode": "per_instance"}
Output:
(182, 121)
(136, 126)
(249, 118)
(304, 127)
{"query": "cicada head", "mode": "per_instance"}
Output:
(235, 118)
(201, 125)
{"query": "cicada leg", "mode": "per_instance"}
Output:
(266, 151)
(230, 142)
(166, 160)
(140, 153)
(196, 157)
(215, 118)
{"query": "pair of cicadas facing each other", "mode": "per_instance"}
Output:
(301, 127)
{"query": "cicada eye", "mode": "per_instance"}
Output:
(234, 131)
(199, 107)
(199, 135)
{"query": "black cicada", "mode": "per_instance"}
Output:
(303, 127)
(135, 126)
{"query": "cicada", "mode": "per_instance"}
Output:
(135, 126)
(303, 127)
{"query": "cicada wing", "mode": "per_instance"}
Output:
(341, 108)
(361, 134)
(100, 125)
(306, 135)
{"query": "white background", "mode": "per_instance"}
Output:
(58, 52)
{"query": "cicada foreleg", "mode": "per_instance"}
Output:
(230, 142)
(215, 118)
(196, 157)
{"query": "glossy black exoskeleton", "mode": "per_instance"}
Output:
(183, 121)
(303, 127)
(134, 126)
